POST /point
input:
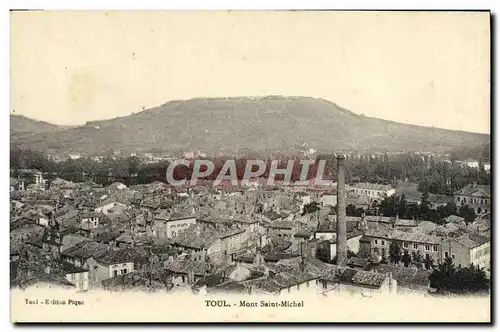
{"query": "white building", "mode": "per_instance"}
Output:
(74, 156)
(470, 163)
(372, 190)
(468, 249)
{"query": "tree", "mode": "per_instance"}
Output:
(395, 252)
(428, 262)
(468, 213)
(403, 207)
(350, 210)
(424, 201)
(446, 278)
(447, 210)
(417, 259)
(406, 259)
(310, 208)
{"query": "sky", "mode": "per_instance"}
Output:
(428, 69)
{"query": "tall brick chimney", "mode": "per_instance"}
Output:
(341, 215)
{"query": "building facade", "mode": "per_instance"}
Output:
(475, 196)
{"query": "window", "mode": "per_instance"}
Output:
(115, 273)
(383, 242)
(445, 254)
(415, 246)
(435, 248)
(124, 271)
(376, 241)
(427, 247)
(405, 245)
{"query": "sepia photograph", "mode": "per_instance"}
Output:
(250, 166)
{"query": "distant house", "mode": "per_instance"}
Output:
(106, 206)
(16, 184)
(288, 276)
(182, 271)
(283, 229)
(107, 237)
(378, 242)
(248, 224)
(475, 196)
(329, 199)
(341, 279)
(170, 224)
(470, 163)
(45, 280)
(218, 244)
(271, 215)
(305, 198)
(76, 275)
(439, 200)
(409, 279)
(372, 190)
(132, 281)
(79, 253)
(468, 249)
(454, 219)
(112, 263)
(74, 156)
(328, 247)
(90, 220)
(117, 186)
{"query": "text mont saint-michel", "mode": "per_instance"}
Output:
(256, 304)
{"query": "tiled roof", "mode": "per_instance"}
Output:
(231, 287)
(453, 219)
(371, 186)
(133, 281)
(246, 257)
(368, 278)
(70, 268)
(357, 262)
(120, 256)
(271, 215)
(352, 276)
(281, 224)
(266, 285)
(106, 237)
(473, 188)
(85, 249)
(70, 240)
(329, 226)
(472, 240)
(403, 236)
(184, 266)
(41, 277)
(408, 277)
(198, 236)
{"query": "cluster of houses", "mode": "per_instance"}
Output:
(252, 240)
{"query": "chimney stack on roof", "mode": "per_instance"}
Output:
(341, 212)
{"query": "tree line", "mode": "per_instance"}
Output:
(432, 176)
(397, 206)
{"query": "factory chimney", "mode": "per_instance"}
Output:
(341, 214)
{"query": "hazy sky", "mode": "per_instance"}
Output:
(422, 68)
